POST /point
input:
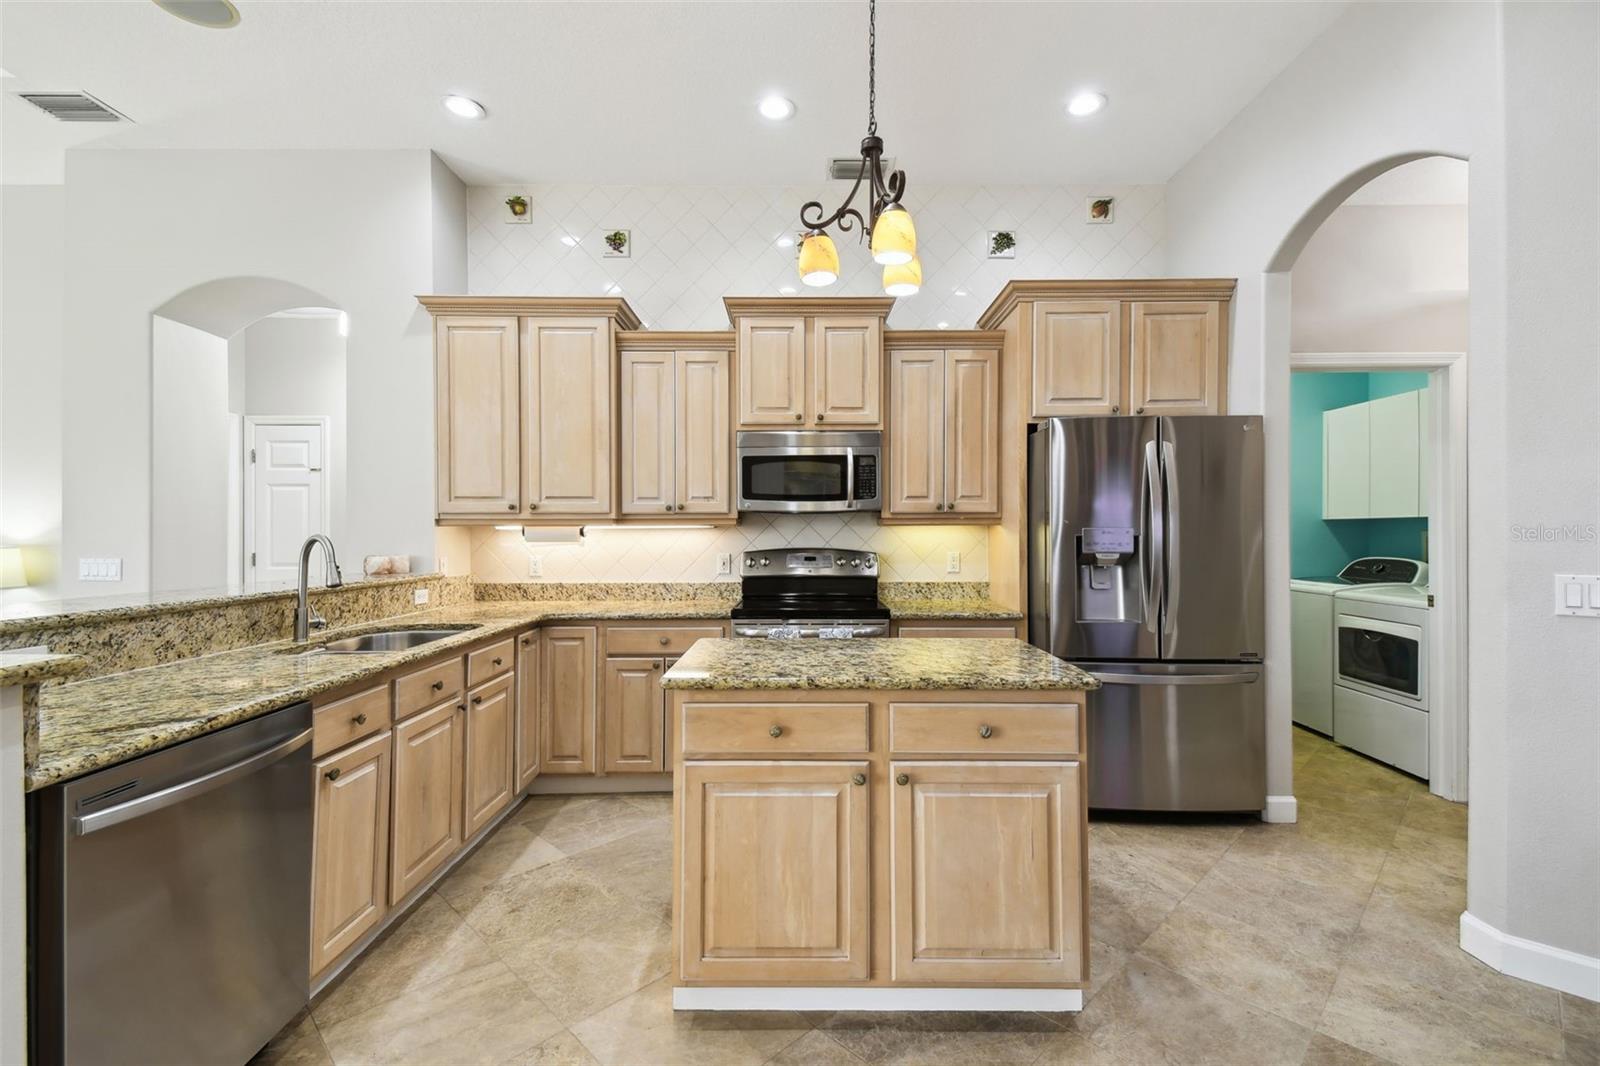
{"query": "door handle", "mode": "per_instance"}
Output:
(1246, 677)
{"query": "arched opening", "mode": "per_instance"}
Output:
(248, 385)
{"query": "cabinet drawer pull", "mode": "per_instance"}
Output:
(361, 719)
(656, 665)
(498, 662)
(664, 641)
(526, 641)
(858, 779)
(333, 775)
(438, 686)
(477, 700)
(902, 779)
(775, 732)
(461, 706)
(985, 731)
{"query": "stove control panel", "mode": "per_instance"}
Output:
(810, 562)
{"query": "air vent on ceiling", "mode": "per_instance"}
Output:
(72, 107)
(846, 167)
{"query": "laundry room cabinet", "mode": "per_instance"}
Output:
(1374, 458)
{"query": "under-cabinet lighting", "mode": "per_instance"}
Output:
(552, 535)
(648, 525)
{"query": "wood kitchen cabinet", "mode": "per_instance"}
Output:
(489, 725)
(944, 425)
(427, 806)
(809, 363)
(566, 402)
(676, 434)
(567, 728)
(526, 741)
(635, 721)
(1175, 357)
(478, 419)
(1077, 357)
(350, 850)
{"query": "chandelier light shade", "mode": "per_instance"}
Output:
(903, 279)
(894, 238)
(819, 260)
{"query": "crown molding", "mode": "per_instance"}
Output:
(740, 306)
(1106, 288)
(943, 338)
(635, 340)
(610, 306)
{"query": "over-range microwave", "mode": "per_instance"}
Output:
(810, 471)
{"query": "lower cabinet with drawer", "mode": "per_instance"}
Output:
(916, 840)
(960, 628)
(632, 720)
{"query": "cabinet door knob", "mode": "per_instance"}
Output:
(511, 507)
(477, 700)
(798, 417)
(902, 779)
(664, 641)
(821, 417)
(333, 775)
(938, 507)
(858, 779)
(438, 686)
(775, 732)
(985, 732)
(526, 641)
(361, 719)
(1140, 411)
(533, 507)
(669, 506)
(1116, 408)
(656, 665)
(461, 706)
(497, 662)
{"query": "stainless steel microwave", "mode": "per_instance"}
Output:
(806, 471)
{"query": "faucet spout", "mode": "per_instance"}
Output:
(304, 617)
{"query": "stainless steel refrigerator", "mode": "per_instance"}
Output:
(1145, 567)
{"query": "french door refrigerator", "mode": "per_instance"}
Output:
(1145, 567)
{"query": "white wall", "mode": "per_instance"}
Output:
(30, 382)
(1383, 278)
(1388, 82)
(144, 226)
(189, 449)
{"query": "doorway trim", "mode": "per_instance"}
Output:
(248, 481)
(1447, 545)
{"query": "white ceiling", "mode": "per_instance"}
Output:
(658, 92)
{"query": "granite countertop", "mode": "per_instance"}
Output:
(87, 725)
(912, 663)
(34, 667)
(908, 608)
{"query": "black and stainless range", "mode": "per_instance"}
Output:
(810, 592)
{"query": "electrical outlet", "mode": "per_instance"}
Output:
(952, 562)
(724, 563)
(535, 566)
(419, 597)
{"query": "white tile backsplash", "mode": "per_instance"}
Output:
(906, 553)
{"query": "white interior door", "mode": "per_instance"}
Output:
(285, 499)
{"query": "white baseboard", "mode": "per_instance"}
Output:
(857, 998)
(1530, 960)
(1280, 809)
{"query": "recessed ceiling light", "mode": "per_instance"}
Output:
(777, 108)
(463, 106)
(212, 14)
(1086, 103)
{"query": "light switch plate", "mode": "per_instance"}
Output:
(952, 562)
(1578, 595)
(99, 569)
(535, 567)
(724, 563)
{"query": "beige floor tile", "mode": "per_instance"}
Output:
(576, 823)
(432, 942)
(1433, 814)
(549, 905)
(1444, 850)
(1580, 1050)
(941, 1036)
(594, 970)
(513, 849)
(1105, 962)
(1581, 1016)
(298, 1044)
(1127, 900)
(1288, 976)
(1409, 1022)
(1070, 1049)
(1323, 849)
(1426, 890)
(657, 804)
(643, 1028)
(1334, 783)
(563, 1049)
(814, 1049)
(1326, 1051)
(1150, 1014)
(1324, 917)
(1178, 853)
(482, 1015)
(638, 866)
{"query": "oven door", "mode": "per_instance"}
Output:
(1383, 658)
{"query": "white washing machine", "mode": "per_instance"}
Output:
(1311, 631)
(1380, 680)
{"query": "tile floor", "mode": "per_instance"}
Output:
(1214, 940)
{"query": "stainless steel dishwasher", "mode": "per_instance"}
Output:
(172, 900)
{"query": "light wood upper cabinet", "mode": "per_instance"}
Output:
(775, 871)
(477, 418)
(987, 872)
(944, 427)
(649, 466)
(1175, 363)
(1077, 357)
(635, 716)
(350, 852)
(703, 433)
(427, 796)
(489, 781)
(566, 403)
(569, 704)
(528, 696)
(772, 372)
(676, 433)
(846, 371)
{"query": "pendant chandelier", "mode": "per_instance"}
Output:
(894, 238)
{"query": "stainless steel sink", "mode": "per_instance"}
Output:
(388, 640)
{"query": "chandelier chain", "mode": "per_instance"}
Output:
(872, 67)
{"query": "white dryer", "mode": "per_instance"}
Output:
(1380, 684)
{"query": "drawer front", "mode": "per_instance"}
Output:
(988, 729)
(656, 640)
(490, 662)
(345, 721)
(421, 689)
(989, 630)
(747, 729)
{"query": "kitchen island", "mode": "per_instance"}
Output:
(878, 824)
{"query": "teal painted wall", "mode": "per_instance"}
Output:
(1318, 548)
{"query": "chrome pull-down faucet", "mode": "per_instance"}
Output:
(305, 619)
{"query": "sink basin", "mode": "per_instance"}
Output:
(388, 640)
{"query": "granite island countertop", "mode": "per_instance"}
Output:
(36, 667)
(887, 663)
(967, 608)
